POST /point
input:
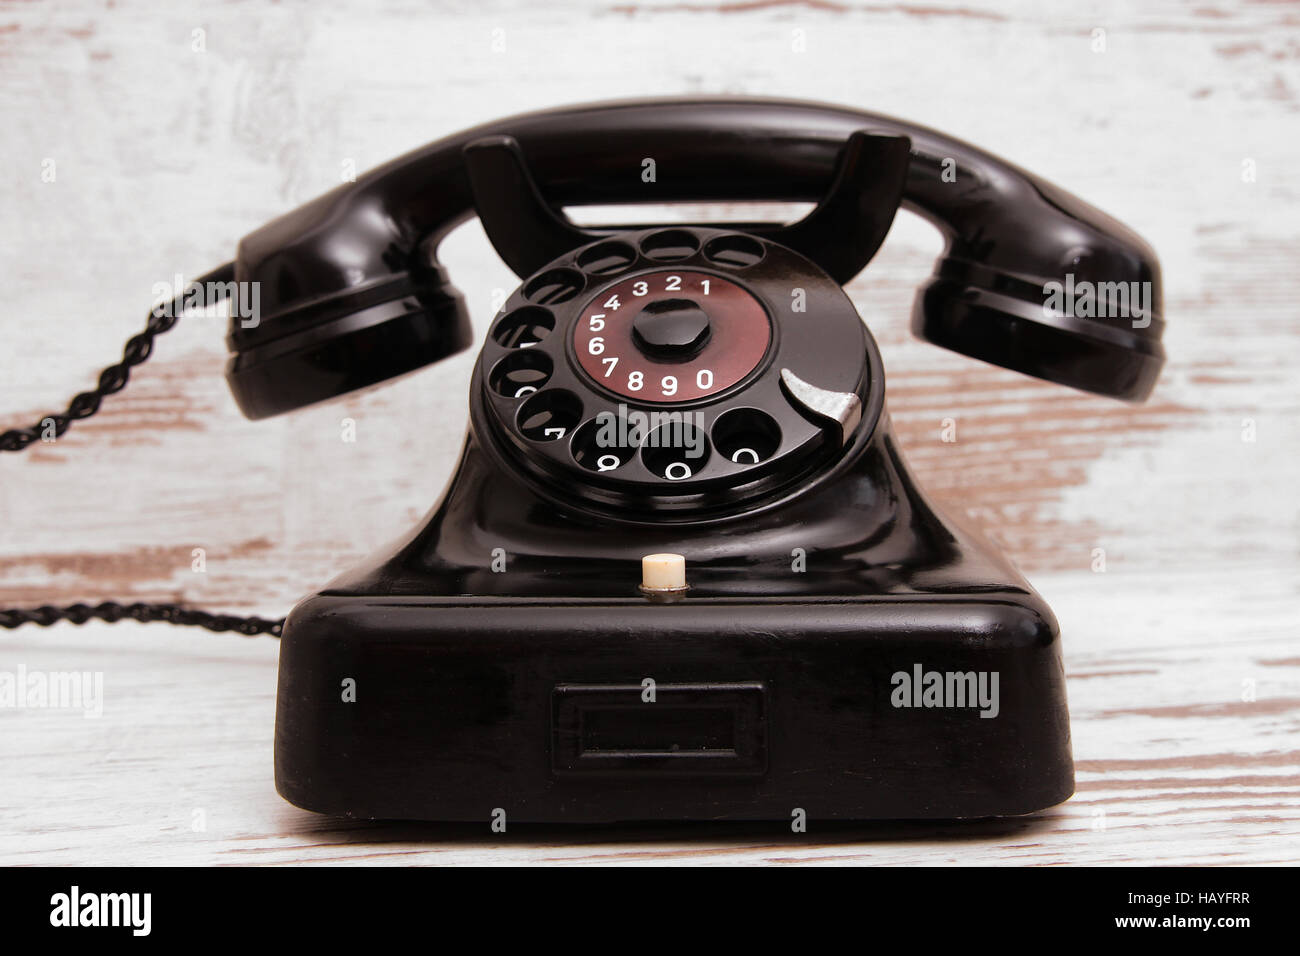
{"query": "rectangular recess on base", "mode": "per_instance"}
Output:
(687, 730)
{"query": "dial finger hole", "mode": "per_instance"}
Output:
(746, 436)
(550, 415)
(600, 445)
(669, 245)
(555, 285)
(606, 258)
(734, 251)
(676, 451)
(520, 373)
(524, 327)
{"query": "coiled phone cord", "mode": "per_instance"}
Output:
(212, 288)
(137, 350)
(113, 612)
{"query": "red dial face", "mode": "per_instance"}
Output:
(671, 336)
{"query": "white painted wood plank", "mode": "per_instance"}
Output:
(165, 157)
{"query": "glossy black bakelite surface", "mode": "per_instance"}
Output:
(501, 652)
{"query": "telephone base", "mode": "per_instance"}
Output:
(597, 711)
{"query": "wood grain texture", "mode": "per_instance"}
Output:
(165, 156)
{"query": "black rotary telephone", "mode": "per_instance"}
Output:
(681, 570)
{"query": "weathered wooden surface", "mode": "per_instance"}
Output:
(1183, 659)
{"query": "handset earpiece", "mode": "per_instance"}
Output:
(317, 344)
(1037, 281)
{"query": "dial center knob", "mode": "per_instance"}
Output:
(671, 328)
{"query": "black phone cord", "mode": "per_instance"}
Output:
(113, 612)
(212, 288)
(137, 350)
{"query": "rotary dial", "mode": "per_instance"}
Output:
(681, 370)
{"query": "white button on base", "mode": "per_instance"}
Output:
(663, 577)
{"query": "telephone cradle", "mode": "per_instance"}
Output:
(681, 570)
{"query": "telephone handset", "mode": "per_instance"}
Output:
(354, 272)
(681, 570)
